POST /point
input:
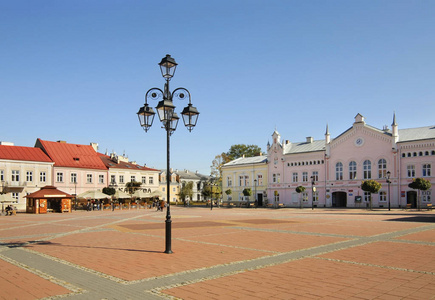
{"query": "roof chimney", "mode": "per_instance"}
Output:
(310, 139)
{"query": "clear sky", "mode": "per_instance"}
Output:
(78, 71)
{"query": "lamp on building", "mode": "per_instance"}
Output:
(169, 118)
(389, 182)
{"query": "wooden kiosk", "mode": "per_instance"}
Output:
(48, 199)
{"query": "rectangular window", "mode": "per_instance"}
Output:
(15, 196)
(88, 178)
(367, 169)
(411, 171)
(42, 176)
(59, 177)
(101, 179)
(246, 181)
(260, 179)
(73, 177)
(278, 178)
(29, 176)
(151, 180)
(315, 176)
(274, 178)
(229, 181)
(426, 170)
(121, 178)
(2, 175)
(305, 196)
(382, 196)
(15, 175)
(144, 180)
(112, 179)
(241, 180)
(304, 176)
(425, 196)
(295, 177)
(352, 170)
(315, 196)
(133, 178)
(367, 196)
(339, 171)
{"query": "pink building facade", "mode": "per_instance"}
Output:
(332, 170)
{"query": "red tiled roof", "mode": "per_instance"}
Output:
(122, 165)
(49, 192)
(71, 155)
(23, 153)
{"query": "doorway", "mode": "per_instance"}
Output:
(339, 199)
(260, 199)
(411, 198)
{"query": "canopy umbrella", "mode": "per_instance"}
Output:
(121, 195)
(93, 194)
(157, 193)
(141, 194)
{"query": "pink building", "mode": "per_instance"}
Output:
(77, 168)
(332, 170)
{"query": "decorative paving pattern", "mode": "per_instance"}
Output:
(233, 253)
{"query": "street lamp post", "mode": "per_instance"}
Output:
(169, 118)
(313, 189)
(255, 193)
(389, 182)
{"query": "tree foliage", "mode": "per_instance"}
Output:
(109, 191)
(132, 186)
(300, 189)
(217, 163)
(239, 150)
(420, 184)
(371, 186)
(228, 192)
(247, 192)
(186, 191)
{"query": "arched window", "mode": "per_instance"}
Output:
(367, 167)
(352, 170)
(339, 171)
(382, 168)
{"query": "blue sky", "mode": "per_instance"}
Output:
(78, 71)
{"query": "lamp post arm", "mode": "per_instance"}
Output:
(181, 93)
(153, 94)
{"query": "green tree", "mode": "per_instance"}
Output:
(239, 150)
(371, 186)
(186, 191)
(300, 189)
(109, 191)
(132, 186)
(247, 192)
(420, 184)
(216, 166)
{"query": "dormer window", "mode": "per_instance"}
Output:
(76, 159)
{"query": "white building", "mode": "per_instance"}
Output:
(23, 170)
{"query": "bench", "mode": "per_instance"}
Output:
(408, 206)
(429, 206)
(281, 205)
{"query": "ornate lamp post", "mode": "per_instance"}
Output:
(169, 118)
(313, 189)
(389, 182)
(255, 193)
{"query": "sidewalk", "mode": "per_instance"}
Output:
(224, 253)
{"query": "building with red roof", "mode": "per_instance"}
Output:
(121, 171)
(23, 170)
(77, 168)
(48, 199)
